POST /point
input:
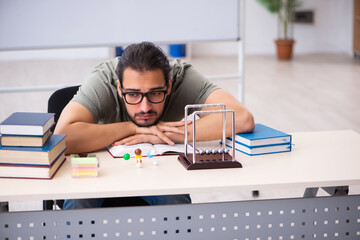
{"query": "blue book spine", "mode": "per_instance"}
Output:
(263, 135)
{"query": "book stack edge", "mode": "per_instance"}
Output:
(263, 140)
(28, 147)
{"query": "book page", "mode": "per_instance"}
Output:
(166, 148)
(120, 150)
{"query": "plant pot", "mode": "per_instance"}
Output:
(284, 49)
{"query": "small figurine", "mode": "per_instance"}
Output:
(126, 156)
(151, 154)
(138, 157)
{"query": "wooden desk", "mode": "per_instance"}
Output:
(318, 159)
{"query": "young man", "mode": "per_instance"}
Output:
(140, 97)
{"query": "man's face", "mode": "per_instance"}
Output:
(145, 113)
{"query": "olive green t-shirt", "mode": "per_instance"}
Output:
(99, 92)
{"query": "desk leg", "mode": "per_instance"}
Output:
(310, 192)
(4, 207)
(337, 191)
(332, 191)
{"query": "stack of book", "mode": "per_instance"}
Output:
(28, 148)
(262, 140)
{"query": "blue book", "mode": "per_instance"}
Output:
(27, 123)
(262, 136)
(259, 150)
(44, 155)
(262, 140)
(32, 171)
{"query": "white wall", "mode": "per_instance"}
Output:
(331, 32)
(76, 53)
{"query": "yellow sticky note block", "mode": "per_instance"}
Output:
(84, 166)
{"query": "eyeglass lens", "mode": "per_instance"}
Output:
(153, 97)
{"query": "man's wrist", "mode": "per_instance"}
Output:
(133, 128)
(123, 130)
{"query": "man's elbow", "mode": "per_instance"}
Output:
(59, 130)
(71, 136)
(246, 124)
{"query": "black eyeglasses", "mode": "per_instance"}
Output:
(134, 98)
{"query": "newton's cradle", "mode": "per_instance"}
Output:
(209, 158)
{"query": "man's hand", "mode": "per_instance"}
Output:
(141, 138)
(154, 134)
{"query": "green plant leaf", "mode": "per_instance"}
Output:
(272, 6)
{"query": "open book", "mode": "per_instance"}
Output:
(159, 149)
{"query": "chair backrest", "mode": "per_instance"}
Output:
(59, 99)
(56, 103)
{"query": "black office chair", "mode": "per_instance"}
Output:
(56, 103)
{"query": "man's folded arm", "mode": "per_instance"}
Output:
(209, 127)
(84, 135)
(244, 120)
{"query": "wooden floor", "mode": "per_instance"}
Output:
(310, 93)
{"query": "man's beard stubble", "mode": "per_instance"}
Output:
(146, 124)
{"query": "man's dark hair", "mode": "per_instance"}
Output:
(143, 57)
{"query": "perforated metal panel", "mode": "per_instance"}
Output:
(312, 218)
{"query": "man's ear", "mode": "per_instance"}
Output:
(118, 88)
(169, 86)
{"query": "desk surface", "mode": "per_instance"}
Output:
(318, 159)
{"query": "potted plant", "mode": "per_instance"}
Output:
(284, 10)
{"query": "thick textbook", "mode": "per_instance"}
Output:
(31, 171)
(24, 141)
(159, 149)
(258, 150)
(262, 135)
(44, 155)
(27, 123)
